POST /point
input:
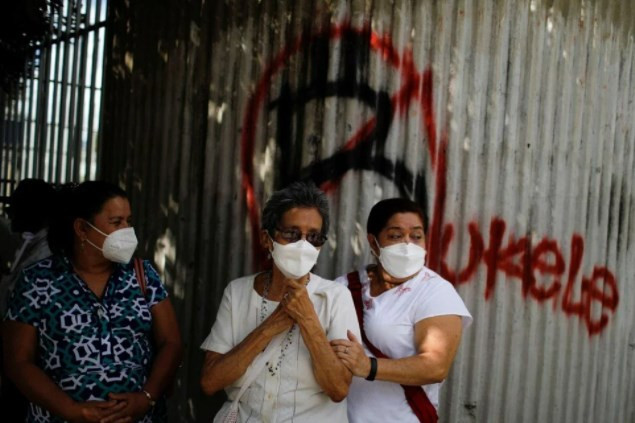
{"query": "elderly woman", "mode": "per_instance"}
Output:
(411, 321)
(90, 334)
(303, 381)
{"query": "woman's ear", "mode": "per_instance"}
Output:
(265, 240)
(374, 245)
(80, 228)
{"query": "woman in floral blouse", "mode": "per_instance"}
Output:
(89, 338)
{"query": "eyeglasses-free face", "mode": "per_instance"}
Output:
(402, 227)
(290, 235)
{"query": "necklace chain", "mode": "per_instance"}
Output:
(288, 340)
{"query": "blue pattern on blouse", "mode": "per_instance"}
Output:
(88, 346)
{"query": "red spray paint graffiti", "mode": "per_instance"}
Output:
(518, 259)
(514, 258)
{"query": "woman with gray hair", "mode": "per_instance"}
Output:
(289, 313)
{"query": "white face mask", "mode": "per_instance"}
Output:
(401, 260)
(296, 259)
(119, 246)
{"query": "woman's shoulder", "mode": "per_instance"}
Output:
(439, 297)
(241, 284)
(432, 285)
(341, 280)
(44, 268)
(361, 272)
(432, 279)
(327, 286)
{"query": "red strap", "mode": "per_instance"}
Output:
(415, 395)
(140, 273)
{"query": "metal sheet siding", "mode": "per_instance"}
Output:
(511, 122)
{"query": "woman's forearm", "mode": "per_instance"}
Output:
(38, 388)
(164, 368)
(330, 373)
(224, 369)
(416, 370)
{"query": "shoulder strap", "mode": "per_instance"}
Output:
(355, 286)
(415, 395)
(140, 274)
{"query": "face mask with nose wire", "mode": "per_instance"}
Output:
(401, 260)
(119, 246)
(295, 259)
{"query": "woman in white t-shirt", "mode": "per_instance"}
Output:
(295, 311)
(412, 322)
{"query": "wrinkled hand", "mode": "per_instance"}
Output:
(94, 411)
(135, 406)
(352, 354)
(278, 321)
(296, 301)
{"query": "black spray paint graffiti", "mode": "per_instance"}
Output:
(365, 150)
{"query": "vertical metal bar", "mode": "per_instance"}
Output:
(2, 121)
(16, 134)
(95, 51)
(42, 115)
(49, 101)
(26, 154)
(6, 136)
(19, 160)
(99, 84)
(25, 122)
(64, 80)
(9, 150)
(78, 139)
(19, 139)
(31, 157)
(69, 143)
(9, 140)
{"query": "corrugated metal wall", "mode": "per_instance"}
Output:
(512, 122)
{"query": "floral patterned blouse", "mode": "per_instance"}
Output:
(89, 346)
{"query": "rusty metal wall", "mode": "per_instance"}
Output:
(512, 122)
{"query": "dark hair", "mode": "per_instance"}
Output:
(298, 194)
(381, 213)
(30, 205)
(82, 201)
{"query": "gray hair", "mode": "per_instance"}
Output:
(298, 194)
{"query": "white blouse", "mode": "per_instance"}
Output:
(389, 321)
(290, 392)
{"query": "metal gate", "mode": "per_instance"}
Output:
(49, 126)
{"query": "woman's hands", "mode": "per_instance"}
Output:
(296, 301)
(136, 406)
(352, 354)
(93, 411)
(278, 321)
(121, 408)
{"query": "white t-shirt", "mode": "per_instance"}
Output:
(291, 393)
(389, 321)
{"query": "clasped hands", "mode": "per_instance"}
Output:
(120, 408)
(295, 307)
